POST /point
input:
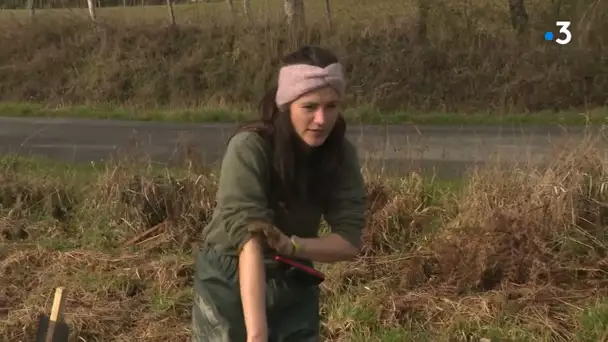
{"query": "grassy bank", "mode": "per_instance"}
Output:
(360, 115)
(471, 62)
(517, 254)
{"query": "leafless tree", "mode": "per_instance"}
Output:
(423, 15)
(247, 9)
(171, 12)
(92, 14)
(557, 8)
(30, 8)
(294, 12)
(328, 14)
(230, 4)
(519, 16)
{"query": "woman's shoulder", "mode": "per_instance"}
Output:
(249, 142)
(350, 149)
(246, 137)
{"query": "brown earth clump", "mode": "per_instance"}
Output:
(11, 229)
(529, 241)
(162, 209)
(24, 197)
(399, 212)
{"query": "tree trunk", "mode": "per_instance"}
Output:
(230, 6)
(171, 13)
(294, 12)
(328, 14)
(30, 8)
(247, 9)
(557, 9)
(91, 4)
(423, 15)
(519, 16)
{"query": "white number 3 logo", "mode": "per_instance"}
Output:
(564, 30)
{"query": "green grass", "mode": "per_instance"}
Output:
(594, 320)
(355, 115)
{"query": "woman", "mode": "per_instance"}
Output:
(279, 176)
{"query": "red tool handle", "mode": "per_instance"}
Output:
(304, 268)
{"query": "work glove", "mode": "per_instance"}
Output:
(275, 238)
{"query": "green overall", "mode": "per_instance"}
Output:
(292, 309)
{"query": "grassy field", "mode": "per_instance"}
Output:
(362, 115)
(517, 254)
(214, 66)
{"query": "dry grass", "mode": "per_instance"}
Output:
(513, 254)
(472, 61)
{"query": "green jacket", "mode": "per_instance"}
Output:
(242, 195)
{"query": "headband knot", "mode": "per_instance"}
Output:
(296, 80)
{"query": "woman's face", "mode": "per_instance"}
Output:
(314, 115)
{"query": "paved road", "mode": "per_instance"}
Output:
(446, 150)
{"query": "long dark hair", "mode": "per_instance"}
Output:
(296, 175)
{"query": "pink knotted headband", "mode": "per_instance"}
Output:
(298, 79)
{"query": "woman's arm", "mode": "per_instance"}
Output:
(329, 248)
(252, 280)
(345, 214)
(241, 199)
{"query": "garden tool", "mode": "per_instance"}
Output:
(52, 328)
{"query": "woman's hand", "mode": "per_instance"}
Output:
(329, 248)
(281, 243)
(275, 238)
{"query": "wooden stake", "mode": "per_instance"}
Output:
(56, 312)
